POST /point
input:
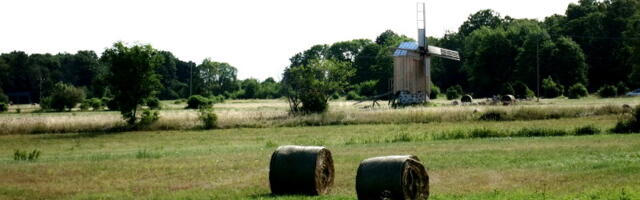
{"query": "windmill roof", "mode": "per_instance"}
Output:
(405, 45)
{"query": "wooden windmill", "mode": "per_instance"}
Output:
(412, 66)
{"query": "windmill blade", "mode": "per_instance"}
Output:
(444, 53)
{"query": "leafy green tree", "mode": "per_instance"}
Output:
(309, 87)
(251, 88)
(132, 78)
(217, 78)
(483, 18)
(550, 89)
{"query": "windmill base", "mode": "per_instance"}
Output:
(406, 98)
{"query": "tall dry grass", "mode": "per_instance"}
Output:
(259, 115)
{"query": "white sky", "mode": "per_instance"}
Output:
(257, 37)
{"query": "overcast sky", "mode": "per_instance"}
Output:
(257, 37)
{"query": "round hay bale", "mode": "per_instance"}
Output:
(304, 170)
(508, 98)
(466, 99)
(392, 177)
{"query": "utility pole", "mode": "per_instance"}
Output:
(538, 67)
(190, 77)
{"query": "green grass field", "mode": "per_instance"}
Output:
(233, 163)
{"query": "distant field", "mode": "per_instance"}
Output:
(489, 160)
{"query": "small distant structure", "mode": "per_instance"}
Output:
(412, 66)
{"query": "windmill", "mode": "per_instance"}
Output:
(412, 66)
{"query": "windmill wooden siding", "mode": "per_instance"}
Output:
(409, 73)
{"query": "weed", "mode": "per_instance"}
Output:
(27, 156)
(208, 118)
(587, 130)
(146, 154)
(494, 115)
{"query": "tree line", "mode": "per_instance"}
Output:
(27, 78)
(593, 47)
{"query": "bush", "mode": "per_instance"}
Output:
(314, 103)
(521, 91)
(96, 104)
(587, 130)
(578, 91)
(366, 88)
(607, 91)
(4, 107)
(622, 88)
(216, 99)
(3, 98)
(153, 103)
(506, 89)
(208, 118)
(111, 103)
(85, 105)
(435, 91)
(551, 89)
(494, 115)
(63, 97)
(197, 101)
(454, 92)
(147, 118)
(630, 124)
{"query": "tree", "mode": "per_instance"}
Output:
(251, 88)
(217, 78)
(483, 18)
(308, 87)
(131, 76)
(63, 96)
(551, 89)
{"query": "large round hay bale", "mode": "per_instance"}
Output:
(466, 99)
(392, 177)
(508, 99)
(304, 170)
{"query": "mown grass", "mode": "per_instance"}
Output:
(233, 163)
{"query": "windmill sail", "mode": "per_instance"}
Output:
(444, 53)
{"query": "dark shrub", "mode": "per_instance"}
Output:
(313, 102)
(629, 125)
(197, 101)
(551, 89)
(3, 98)
(96, 104)
(521, 91)
(506, 88)
(607, 91)
(63, 97)
(4, 107)
(111, 103)
(622, 88)
(435, 91)
(454, 92)
(587, 130)
(153, 103)
(540, 132)
(26, 156)
(577, 91)
(494, 115)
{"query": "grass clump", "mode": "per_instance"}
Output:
(208, 118)
(146, 154)
(587, 130)
(19, 155)
(629, 124)
(494, 115)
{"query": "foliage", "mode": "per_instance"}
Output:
(353, 95)
(3, 98)
(507, 89)
(550, 89)
(217, 78)
(607, 91)
(629, 124)
(435, 91)
(147, 118)
(26, 156)
(577, 91)
(96, 104)
(131, 77)
(4, 107)
(63, 96)
(587, 130)
(493, 115)
(208, 118)
(197, 101)
(521, 91)
(153, 103)
(454, 92)
(308, 87)
(622, 88)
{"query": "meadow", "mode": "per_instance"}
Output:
(555, 149)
